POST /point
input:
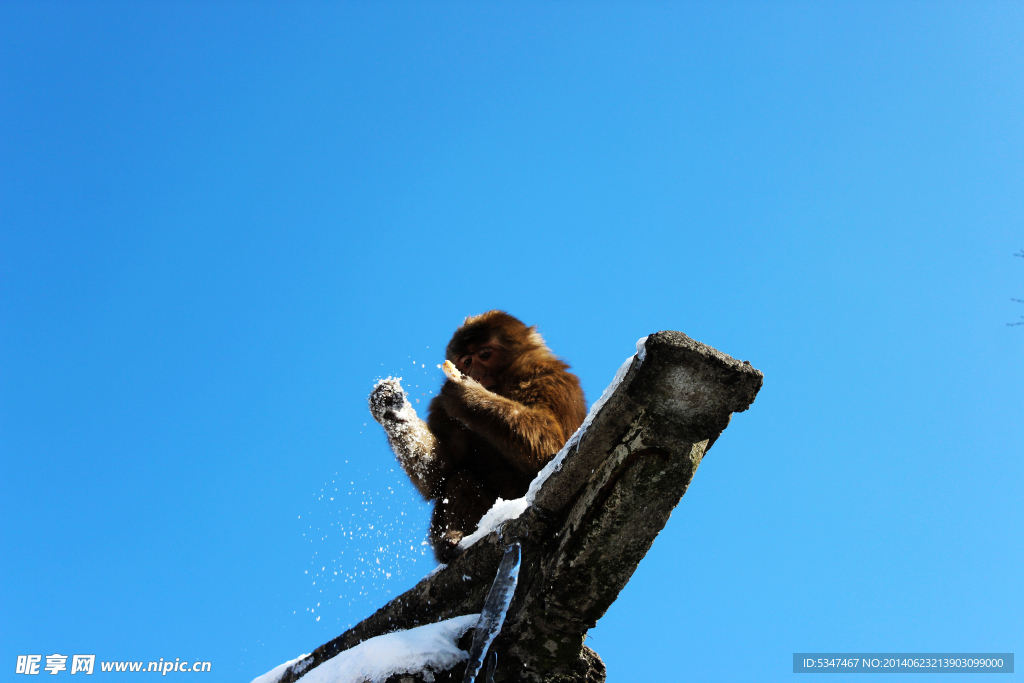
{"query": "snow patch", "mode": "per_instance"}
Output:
(500, 512)
(274, 675)
(436, 570)
(641, 349)
(425, 649)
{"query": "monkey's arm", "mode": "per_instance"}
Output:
(526, 435)
(410, 439)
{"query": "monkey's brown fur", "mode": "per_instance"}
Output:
(483, 444)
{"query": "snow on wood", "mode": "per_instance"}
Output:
(274, 675)
(422, 650)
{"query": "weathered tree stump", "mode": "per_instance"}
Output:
(591, 522)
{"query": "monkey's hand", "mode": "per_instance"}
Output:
(460, 394)
(389, 402)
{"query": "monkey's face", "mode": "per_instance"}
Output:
(483, 362)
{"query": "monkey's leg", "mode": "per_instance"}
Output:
(410, 439)
(457, 512)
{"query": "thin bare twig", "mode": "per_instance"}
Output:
(1020, 301)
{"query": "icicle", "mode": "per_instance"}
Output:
(492, 664)
(493, 615)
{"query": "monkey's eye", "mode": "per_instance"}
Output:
(485, 354)
(465, 361)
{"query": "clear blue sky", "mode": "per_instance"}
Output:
(220, 223)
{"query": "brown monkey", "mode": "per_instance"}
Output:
(496, 422)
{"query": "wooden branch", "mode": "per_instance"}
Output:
(591, 521)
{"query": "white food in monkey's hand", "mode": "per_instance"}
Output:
(452, 372)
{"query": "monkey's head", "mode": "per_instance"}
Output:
(487, 344)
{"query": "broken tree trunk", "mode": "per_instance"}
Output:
(591, 522)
